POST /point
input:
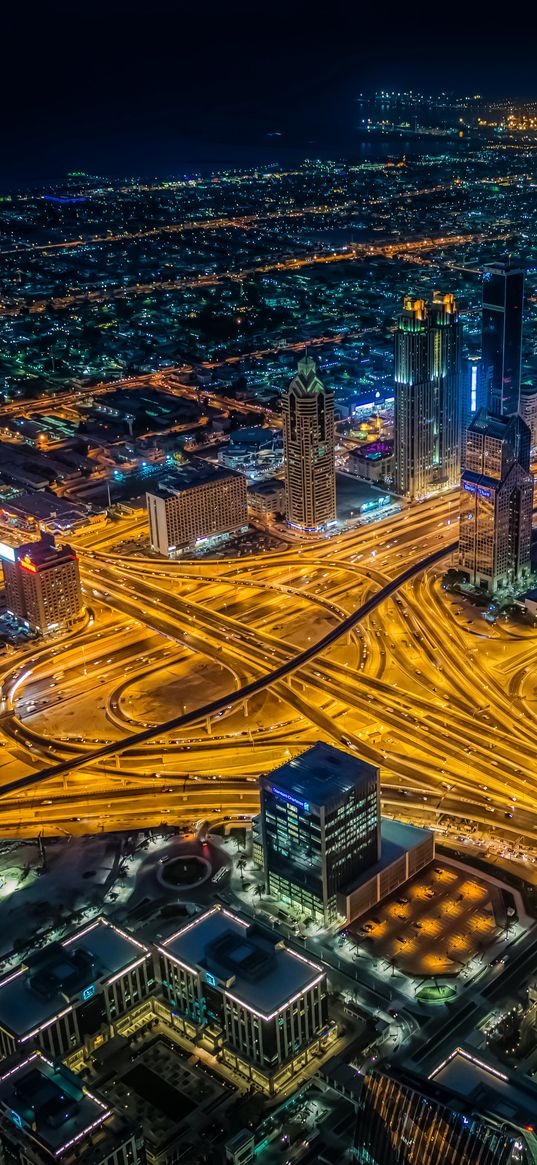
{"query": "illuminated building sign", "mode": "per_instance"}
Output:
(88, 992)
(7, 552)
(17, 1120)
(472, 489)
(289, 797)
(27, 564)
(210, 979)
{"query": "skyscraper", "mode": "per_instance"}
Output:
(474, 388)
(496, 501)
(320, 820)
(503, 301)
(42, 585)
(427, 396)
(414, 1121)
(309, 450)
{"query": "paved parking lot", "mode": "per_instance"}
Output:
(432, 926)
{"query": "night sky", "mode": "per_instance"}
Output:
(151, 88)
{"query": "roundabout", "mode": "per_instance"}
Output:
(184, 873)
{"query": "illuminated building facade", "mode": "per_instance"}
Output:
(320, 824)
(47, 1114)
(414, 1121)
(42, 585)
(71, 993)
(496, 502)
(185, 513)
(428, 382)
(236, 986)
(503, 303)
(309, 450)
(474, 389)
(528, 410)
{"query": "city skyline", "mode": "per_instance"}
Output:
(268, 591)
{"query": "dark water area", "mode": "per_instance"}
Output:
(275, 155)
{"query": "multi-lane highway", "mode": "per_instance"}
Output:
(191, 678)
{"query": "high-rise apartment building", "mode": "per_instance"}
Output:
(42, 585)
(185, 511)
(309, 450)
(481, 1120)
(428, 383)
(320, 822)
(503, 302)
(496, 501)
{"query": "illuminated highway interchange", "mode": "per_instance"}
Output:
(422, 685)
(444, 704)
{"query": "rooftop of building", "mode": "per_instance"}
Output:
(256, 437)
(51, 1103)
(43, 505)
(34, 555)
(396, 839)
(268, 487)
(307, 381)
(320, 775)
(193, 474)
(47, 981)
(373, 450)
(508, 266)
(489, 423)
(489, 1086)
(251, 962)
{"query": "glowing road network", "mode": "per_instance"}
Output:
(192, 677)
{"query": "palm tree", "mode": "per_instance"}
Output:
(258, 890)
(241, 866)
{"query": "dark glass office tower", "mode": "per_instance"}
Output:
(320, 820)
(416, 1122)
(503, 301)
(496, 502)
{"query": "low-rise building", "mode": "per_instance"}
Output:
(240, 1149)
(236, 986)
(71, 993)
(404, 851)
(373, 461)
(267, 498)
(47, 1114)
(256, 452)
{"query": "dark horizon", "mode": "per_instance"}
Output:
(122, 88)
